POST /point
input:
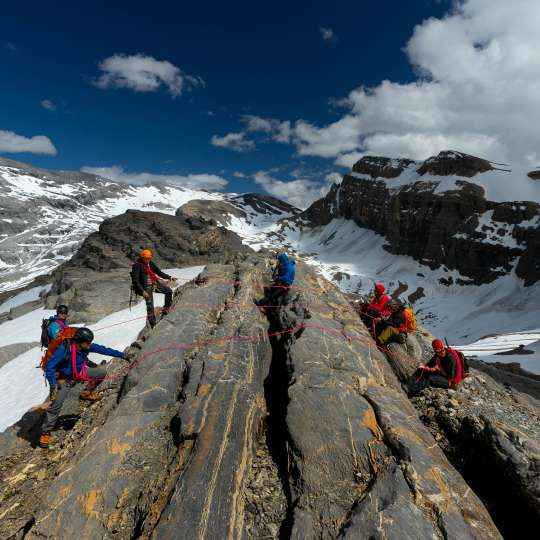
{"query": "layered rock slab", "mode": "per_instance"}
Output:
(352, 432)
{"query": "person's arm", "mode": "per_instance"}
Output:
(53, 364)
(136, 273)
(158, 271)
(431, 365)
(105, 351)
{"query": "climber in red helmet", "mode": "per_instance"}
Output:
(446, 369)
(377, 307)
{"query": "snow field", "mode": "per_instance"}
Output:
(22, 384)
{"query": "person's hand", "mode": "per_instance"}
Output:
(54, 393)
(145, 295)
(174, 280)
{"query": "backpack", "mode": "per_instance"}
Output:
(411, 319)
(45, 338)
(464, 364)
(64, 335)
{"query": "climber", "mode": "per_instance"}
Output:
(392, 327)
(51, 327)
(377, 306)
(446, 369)
(146, 279)
(65, 369)
(283, 278)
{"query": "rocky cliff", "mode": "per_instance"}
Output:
(224, 422)
(440, 213)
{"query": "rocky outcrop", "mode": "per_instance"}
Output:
(96, 281)
(456, 227)
(488, 428)
(248, 207)
(215, 408)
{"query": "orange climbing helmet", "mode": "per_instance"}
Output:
(146, 254)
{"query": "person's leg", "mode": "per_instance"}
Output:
(167, 291)
(388, 334)
(96, 374)
(150, 312)
(438, 381)
(52, 413)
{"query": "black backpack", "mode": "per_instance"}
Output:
(45, 338)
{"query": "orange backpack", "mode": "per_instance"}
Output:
(411, 319)
(64, 335)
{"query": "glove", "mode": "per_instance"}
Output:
(54, 393)
(145, 295)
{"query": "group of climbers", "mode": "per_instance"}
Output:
(389, 320)
(65, 363)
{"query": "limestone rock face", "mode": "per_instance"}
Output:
(458, 228)
(217, 393)
(96, 281)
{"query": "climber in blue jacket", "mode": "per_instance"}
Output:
(283, 278)
(65, 369)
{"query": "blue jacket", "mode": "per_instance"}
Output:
(54, 328)
(286, 269)
(60, 361)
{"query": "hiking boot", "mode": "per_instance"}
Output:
(45, 439)
(87, 395)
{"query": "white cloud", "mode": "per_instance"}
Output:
(39, 144)
(10, 46)
(233, 141)
(478, 91)
(143, 73)
(48, 104)
(327, 33)
(334, 178)
(300, 193)
(238, 174)
(193, 181)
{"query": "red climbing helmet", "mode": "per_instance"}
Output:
(379, 288)
(438, 346)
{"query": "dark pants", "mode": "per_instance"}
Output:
(162, 289)
(273, 294)
(97, 374)
(422, 379)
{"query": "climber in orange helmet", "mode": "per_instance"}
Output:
(147, 278)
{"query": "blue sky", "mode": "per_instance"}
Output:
(69, 73)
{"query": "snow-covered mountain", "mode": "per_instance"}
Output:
(457, 236)
(45, 215)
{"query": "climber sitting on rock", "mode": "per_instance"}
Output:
(377, 306)
(283, 278)
(394, 326)
(65, 368)
(146, 279)
(446, 369)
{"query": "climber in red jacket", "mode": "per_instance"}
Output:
(377, 307)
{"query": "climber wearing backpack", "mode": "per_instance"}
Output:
(283, 278)
(446, 369)
(51, 327)
(377, 307)
(394, 326)
(65, 367)
(146, 279)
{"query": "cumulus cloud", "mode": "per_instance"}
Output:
(238, 174)
(48, 104)
(300, 193)
(326, 33)
(143, 73)
(39, 144)
(193, 181)
(233, 141)
(477, 91)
